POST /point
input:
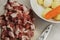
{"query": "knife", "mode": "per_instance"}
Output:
(46, 32)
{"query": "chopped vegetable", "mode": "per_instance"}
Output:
(55, 3)
(52, 9)
(54, 12)
(47, 3)
(40, 2)
(57, 17)
(46, 11)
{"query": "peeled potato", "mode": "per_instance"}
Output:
(55, 3)
(40, 2)
(46, 11)
(47, 3)
(57, 17)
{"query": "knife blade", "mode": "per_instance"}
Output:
(46, 32)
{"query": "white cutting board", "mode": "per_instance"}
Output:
(40, 25)
(55, 33)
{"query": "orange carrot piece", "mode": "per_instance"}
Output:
(54, 12)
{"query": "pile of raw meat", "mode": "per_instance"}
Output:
(17, 22)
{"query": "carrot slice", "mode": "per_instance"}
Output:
(54, 12)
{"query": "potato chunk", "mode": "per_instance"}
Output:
(47, 3)
(46, 11)
(40, 2)
(55, 3)
(57, 17)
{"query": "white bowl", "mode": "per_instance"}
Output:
(38, 9)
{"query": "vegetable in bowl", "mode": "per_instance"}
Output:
(52, 9)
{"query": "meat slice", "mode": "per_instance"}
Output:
(11, 34)
(17, 22)
(6, 38)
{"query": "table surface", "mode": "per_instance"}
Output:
(41, 24)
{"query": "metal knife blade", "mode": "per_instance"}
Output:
(45, 33)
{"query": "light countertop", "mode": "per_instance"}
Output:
(41, 24)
